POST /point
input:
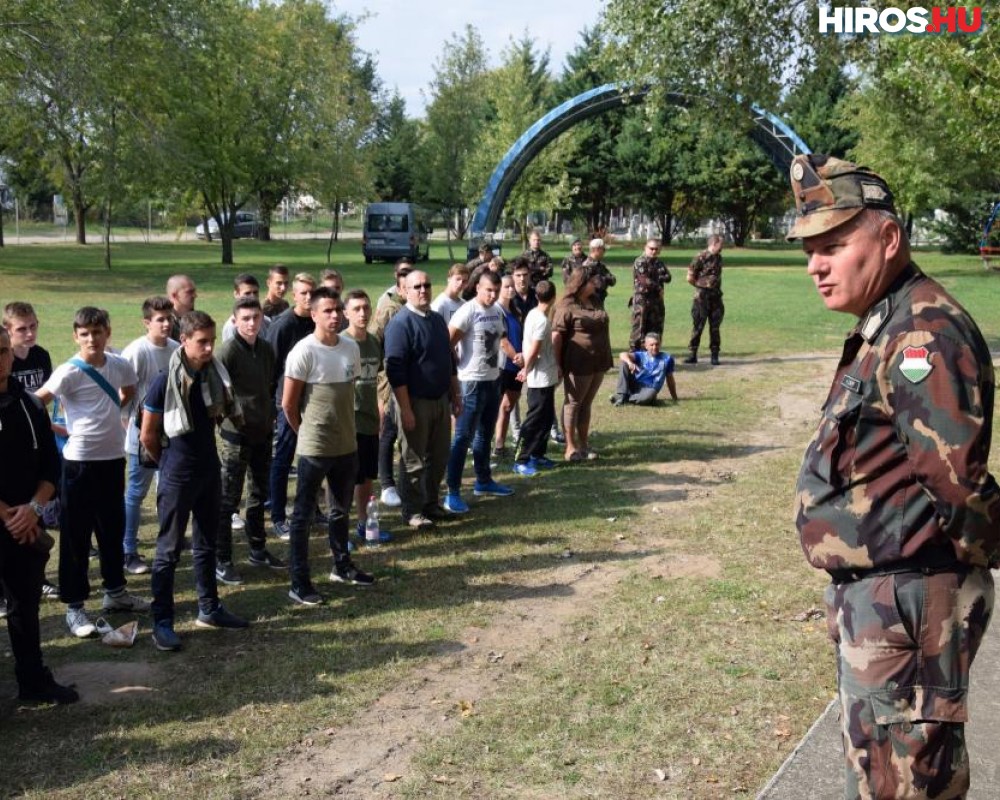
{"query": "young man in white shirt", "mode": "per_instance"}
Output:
(450, 300)
(477, 330)
(92, 388)
(318, 402)
(542, 375)
(149, 355)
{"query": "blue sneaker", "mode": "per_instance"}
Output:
(454, 503)
(491, 488)
(542, 462)
(164, 637)
(525, 469)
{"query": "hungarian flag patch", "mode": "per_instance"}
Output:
(915, 365)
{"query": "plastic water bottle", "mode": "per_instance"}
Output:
(372, 530)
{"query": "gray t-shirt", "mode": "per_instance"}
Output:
(446, 306)
(148, 360)
(329, 372)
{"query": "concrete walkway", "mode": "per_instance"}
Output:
(814, 770)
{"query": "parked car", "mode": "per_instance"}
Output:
(245, 226)
(393, 230)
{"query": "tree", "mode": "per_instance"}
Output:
(458, 113)
(395, 152)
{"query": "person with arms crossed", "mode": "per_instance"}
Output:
(895, 500)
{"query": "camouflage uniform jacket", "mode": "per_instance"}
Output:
(706, 270)
(540, 264)
(600, 268)
(570, 263)
(899, 461)
(386, 311)
(648, 278)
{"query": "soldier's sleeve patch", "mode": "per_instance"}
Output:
(915, 364)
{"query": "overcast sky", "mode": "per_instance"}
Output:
(407, 38)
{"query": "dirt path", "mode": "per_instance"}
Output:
(364, 758)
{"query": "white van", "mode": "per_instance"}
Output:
(394, 230)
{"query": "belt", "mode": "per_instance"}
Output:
(928, 561)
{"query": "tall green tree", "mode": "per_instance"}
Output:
(458, 112)
(395, 151)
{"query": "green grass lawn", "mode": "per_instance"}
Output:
(705, 677)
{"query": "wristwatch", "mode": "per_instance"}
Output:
(37, 507)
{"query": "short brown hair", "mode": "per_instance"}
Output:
(17, 308)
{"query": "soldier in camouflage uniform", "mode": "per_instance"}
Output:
(649, 275)
(484, 257)
(705, 275)
(538, 260)
(894, 499)
(573, 260)
(598, 268)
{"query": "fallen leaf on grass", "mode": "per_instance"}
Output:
(660, 774)
(330, 731)
(611, 519)
(696, 761)
(442, 779)
(809, 614)
(466, 708)
(391, 777)
(494, 657)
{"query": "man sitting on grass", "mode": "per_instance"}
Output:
(643, 373)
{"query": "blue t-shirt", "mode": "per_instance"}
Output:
(194, 452)
(515, 335)
(653, 370)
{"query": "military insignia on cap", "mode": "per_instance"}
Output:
(874, 193)
(797, 171)
(915, 365)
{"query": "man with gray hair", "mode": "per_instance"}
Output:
(642, 374)
(895, 500)
(595, 263)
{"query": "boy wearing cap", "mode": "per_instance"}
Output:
(894, 498)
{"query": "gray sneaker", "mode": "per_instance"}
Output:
(123, 601)
(79, 623)
(226, 573)
(282, 530)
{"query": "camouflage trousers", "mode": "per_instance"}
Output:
(238, 462)
(647, 317)
(706, 307)
(905, 643)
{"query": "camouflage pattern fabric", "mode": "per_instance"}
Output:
(705, 270)
(237, 460)
(649, 276)
(540, 265)
(707, 306)
(599, 268)
(570, 263)
(385, 312)
(900, 457)
(897, 471)
(905, 643)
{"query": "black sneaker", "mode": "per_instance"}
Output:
(305, 596)
(715, 359)
(262, 558)
(136, 564)
(348, 573)
(164, 637)
(692, 359)
(49, 590)
(226, 573)
(46, 690)
(220, 618)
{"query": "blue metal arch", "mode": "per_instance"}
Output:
(774, 136)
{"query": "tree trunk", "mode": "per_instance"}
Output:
(1, 221)
(107, 233)
(336, 220)
(79, 210)
(227, 246)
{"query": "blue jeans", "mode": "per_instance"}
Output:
(480, 407)
(284, 452)
(177, 500)
(340, 472)
(136, 488)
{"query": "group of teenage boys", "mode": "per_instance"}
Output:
(324, 377)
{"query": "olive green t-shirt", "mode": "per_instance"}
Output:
(366, 388)
(327, 409)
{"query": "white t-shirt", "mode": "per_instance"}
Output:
(328, 427)
(446, 306)
(148, 360)
(93, 419)
(479, 347)
(545, 372)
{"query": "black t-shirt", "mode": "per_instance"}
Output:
(194, 452)
(34, 369)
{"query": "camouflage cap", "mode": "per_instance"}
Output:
(829, 192)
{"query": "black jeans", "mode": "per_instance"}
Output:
(178, 499)
(22, 568)
(340, 472)
(537, 423)
(387, 446)
(284, 452)
(92, 501)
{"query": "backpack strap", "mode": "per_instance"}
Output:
(97, 378)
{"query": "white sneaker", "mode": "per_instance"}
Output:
(79, 623)
(391, 498)
(237, 523)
